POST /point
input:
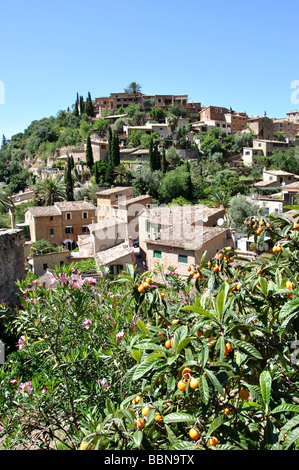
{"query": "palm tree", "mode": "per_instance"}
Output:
(120, 171)
(221, 199)
(49, 191)
(134, 89)
(6, 202)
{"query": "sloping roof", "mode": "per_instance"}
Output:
(59, 207)
(196, 240)
(291, 187)
(116, 189)
(74, 205)
(44, 211)
(105, 257)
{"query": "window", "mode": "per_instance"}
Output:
(157, 254)
(147, 225)
(85, 229)
(51, 232)
(45, 266)
(183, 259)
(68, 229)
(85, 215)
(68, 216)
(51, 218)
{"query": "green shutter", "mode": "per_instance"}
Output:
(183, 259)
(157, 254)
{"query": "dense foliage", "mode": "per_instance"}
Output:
(158, 361)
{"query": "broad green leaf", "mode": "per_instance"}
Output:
(285, 408)
(182, 344)
(263, 285)
(141, 326)
(265, 385)
(178, 418)
(136, 354)
(204, 389)
(215, 382)
(289, 425)
(291, 437)
(216, 423)
(248, 348)
(137, 436)
(141, 369)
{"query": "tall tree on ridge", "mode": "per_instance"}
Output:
(68, 180)
(89, 154)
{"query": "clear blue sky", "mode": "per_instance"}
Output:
(226, 53)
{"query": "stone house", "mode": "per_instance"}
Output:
(60, 223)
(181, 252)
(276, 180)
(173, 223)
(261, 127)
(118, 202)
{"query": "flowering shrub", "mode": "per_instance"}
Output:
(127, 363)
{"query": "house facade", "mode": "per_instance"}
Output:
(60, 223)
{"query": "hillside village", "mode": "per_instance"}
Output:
(149, 181)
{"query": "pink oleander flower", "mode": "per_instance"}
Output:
(120, 334)
(78, 284)
(43, 390)
(12, 382)
(22, 341)
(26, 387)
(62, 277)
(103, 383)
(86, 323)
(91, 280)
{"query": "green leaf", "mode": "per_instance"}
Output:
(216, 423)
(215, 382)
(137, 436)
(178, 418)
(204, 389)
(182, 344)
(248, 348)
(264, 285)
(141, 326)
(141, 369)
(265, 385)
(136, 354)
(291, 438)
(289, 425)
(286, 407)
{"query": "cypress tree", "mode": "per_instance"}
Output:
(88, 106)
(76, 109)
(82, 105)
(151, 155)
(72, 162)
(157, 157)
(89, 154)
(96, 174)
(163, 161)
(68, 180)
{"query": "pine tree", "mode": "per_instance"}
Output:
(68, 181)
(4, 142)
(89, 154)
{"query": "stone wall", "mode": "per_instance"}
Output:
(12, 267)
